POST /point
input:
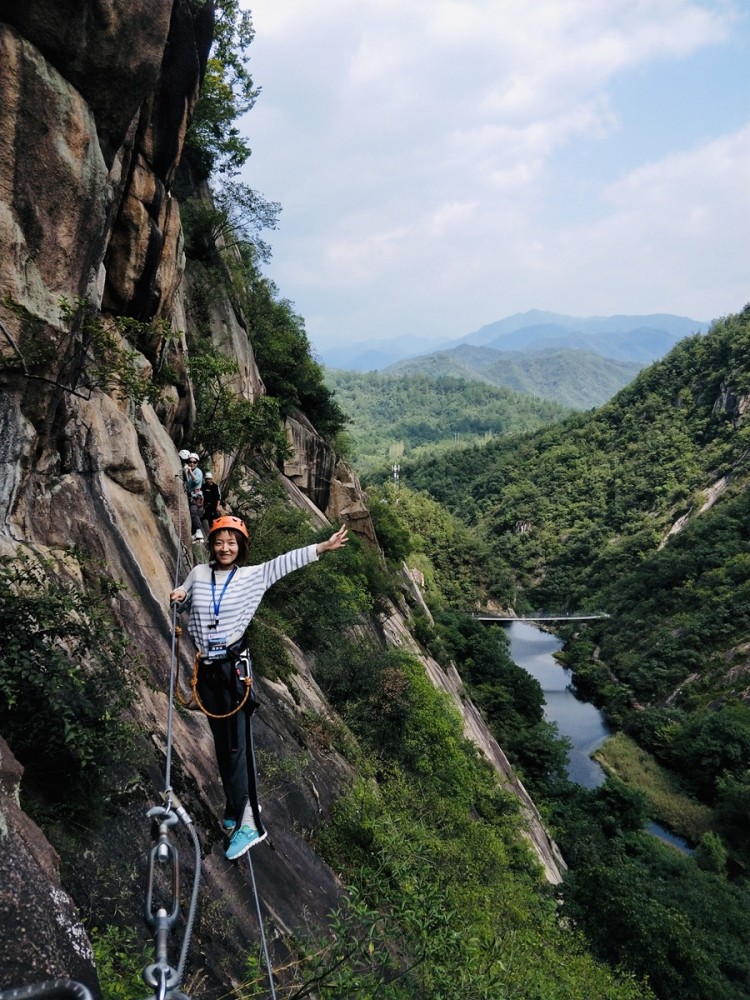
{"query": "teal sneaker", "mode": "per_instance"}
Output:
(242, 840)
(228, 825)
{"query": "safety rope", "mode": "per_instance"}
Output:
(160, 919)
(173, 660)
(266, 956)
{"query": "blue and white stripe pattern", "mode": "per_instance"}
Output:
(241, 598)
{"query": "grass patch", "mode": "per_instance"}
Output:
(666, 802)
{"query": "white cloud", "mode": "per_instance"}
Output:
(449, 162)
(672, 232)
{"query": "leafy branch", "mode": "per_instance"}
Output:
(89, 354)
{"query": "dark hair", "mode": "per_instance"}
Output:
(241, 546)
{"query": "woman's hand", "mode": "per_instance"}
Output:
(177, 596)
(337, 541)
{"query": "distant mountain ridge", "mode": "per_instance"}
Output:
(578, 379)
(640, 338)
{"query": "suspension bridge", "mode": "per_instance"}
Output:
(540, 616)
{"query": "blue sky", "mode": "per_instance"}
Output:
(442, 164)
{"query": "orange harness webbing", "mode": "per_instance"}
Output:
(194, 700)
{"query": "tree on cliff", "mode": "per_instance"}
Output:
(214, 144)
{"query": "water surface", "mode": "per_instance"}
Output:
(580, 721)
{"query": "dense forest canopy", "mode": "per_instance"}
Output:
(409, 416)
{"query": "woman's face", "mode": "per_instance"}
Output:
(224, 547)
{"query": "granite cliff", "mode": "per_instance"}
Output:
(95, 101)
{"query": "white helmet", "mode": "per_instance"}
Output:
(192, 455)
(184, 454)
(208, 475)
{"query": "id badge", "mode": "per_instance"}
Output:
(217, 647)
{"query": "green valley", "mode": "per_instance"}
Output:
(578, 379)
(407, 416)
(641, 507)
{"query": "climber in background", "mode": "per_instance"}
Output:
(192, 473)
(194, 487)
(222, 596)
(211, 498)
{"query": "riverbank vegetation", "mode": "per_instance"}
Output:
(665, 801)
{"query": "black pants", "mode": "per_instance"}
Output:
(195, 517)
(221, 689)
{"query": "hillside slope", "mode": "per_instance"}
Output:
(577, 379)
(417, 414)
(641, 508)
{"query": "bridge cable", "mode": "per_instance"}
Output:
(159, 974)
(164, 978)
(173, 660)
(46, 991)
(269, 968)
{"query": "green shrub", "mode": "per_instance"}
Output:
(64, 681)
(225, 421)
(85, 353)
(118, 963)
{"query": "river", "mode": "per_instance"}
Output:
(580, 721)
(583, 723)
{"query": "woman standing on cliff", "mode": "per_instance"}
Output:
(222, 596)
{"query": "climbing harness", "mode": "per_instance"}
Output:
(194, 701)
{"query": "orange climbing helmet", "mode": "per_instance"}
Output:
(231, 522)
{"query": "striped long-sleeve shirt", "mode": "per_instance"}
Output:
(241, 598)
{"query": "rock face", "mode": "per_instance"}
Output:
(95, 99)
(731, 403)
(42, 937)
(330, 484)
(54, 183)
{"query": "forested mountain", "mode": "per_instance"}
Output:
(398, 416)
(578, 379)
(641, 339)
(630, 338)
(641, 508)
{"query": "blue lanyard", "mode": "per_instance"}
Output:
(217, 605)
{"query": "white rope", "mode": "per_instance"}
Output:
(173, 665)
